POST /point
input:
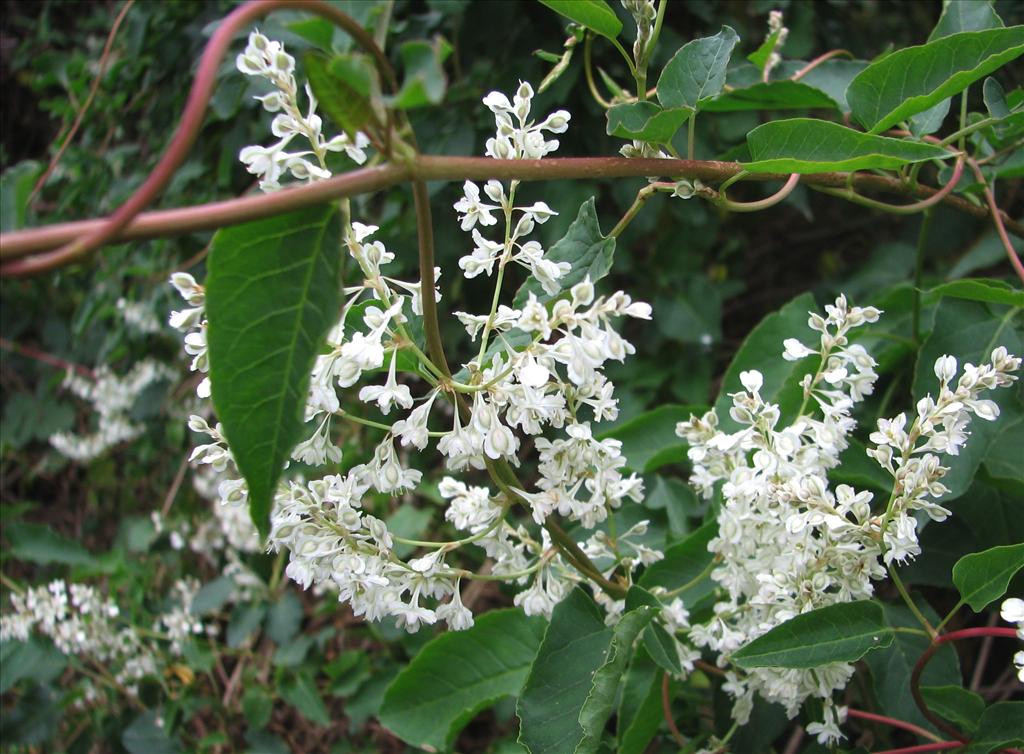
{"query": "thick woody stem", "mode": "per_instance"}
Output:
(425, 234)
(219, 214)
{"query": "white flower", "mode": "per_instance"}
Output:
(472, 209)
(391, 392)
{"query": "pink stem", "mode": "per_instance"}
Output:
(767, 202)
(818, 61)
(997, 218)
(893, 722)
(925, 658)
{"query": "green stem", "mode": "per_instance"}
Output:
(909, 602)
(963, 120)
(949, 615)
(966, 130)
(455, 543)
(922, 240)
(641, 199)
(691, 136)
(588, 71)
(276, 572)
(506, 253)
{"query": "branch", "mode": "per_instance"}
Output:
(185, 220)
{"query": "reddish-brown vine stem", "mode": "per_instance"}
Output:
(172, 222)
(998, 220)
(47, 358)
(925, 658)
(666, 711)
(195, 110)
(892, 722)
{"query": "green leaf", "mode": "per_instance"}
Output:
(15, 186)
(646, 121)
(762, 350)
(41, 545)
(342, 85)
(424, 82)
(990, 291)
(771, 95)
(601, 701)
(272, 292)
(697, 70)
(212, 596)
(961, 707)
(649, 441)
(34, 658)
(301, 692)
(759, 57)
(145, 736)
(465, 672)
(965, 15)
(929, 121)
(662, 648)
(983, 577)
(995, 98)
(257, 706)
(584, 247)
(596, 15)
(245, 621)
(683, 564)
(574, 647)
(1001, 726)
(639, 714)
(284, 618)
(806, 145)
(914, 79)
(843, 632)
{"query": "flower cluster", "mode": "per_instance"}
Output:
(139, 317)
(268, 60)
(541, 377)
(787, 543)
(940, 426)
(112, 398)
(80, 621)
(644, 14)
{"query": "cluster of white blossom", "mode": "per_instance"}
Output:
(112, 398)
(80, 621)
(787, 543)
(780, 32)
(268, 60)
(940, 426)
(1012, 611)
(542, 372)
(328, 535)
(644, 14)
(139, 317)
